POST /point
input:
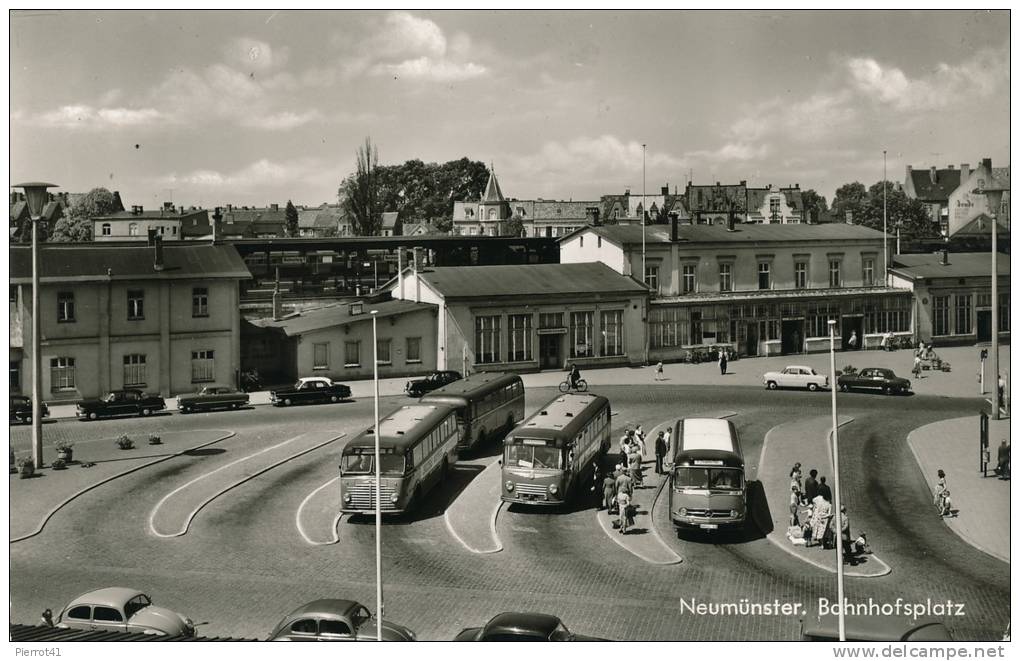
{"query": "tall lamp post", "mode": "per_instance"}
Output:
(835, 468)
(993, 196)
(37, 197)
(644, 210)
(378, 486)
(885, 223)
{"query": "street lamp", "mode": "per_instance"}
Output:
(838, 522)
(993, 196)
(885, 228)
(37, 197)
(644, 210)
(378, 482)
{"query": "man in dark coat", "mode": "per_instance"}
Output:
(811, 485)
(823, 489)
(660, 451)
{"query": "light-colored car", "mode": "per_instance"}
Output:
(123, 609)
(336, 620)
(795, 376)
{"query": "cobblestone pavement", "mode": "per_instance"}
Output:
(243, 563)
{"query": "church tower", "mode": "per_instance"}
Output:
(493, 210)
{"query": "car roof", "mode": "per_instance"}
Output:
(108, 596)
(511, 622)
(799, 367)
(324, 608)
(314, 378)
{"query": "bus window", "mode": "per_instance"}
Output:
(530, 456)
(391, 464)
(357, 463)
(692, 477)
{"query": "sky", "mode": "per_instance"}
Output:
(263, 106)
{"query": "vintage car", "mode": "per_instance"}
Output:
(507, 627)
(795, 376)
(421, 387)
(21, 409)
(212, 397)
(123, 609)
(120, 402)
(871, 628)
(336, 620)
(874, 378)
(310, 390)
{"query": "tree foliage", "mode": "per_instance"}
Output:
(76, 225)
(292, 219)
(814, 204)
(850, 198)
(359, 192)
(866, 207)
(514, 226)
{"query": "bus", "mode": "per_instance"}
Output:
(488, 405)
(548, 458)
(706, 484)
(417, 446)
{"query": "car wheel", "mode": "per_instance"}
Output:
(844, 387)
(886, 390)
(334, 399)
(287, 402)
(28, 419)
(772, 385)
(812, 387)
(93, 415)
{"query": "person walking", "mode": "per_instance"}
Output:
(821, 511)
(811, 486)
(668, 436)
(917, 366)
(658, 371)
(623, 503)
(1002, 463)
(852, 342)
(941, 491)
(639, 434)
(608, 491)
(794, 505)
(634, 467)
(660, 452)
(722, 362)
(823, 490)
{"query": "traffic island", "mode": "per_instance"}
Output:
(35, 501)
(471, 518)
(805, 441)
(318, 515)
(642, 539)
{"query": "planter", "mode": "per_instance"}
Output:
(58, 464)
(65, 455)
(26, 469)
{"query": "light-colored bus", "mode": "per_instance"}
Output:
(548, 458)
(417, 446)
(706, 484)
(488, 405)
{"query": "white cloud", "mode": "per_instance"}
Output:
(426, 68)
(82, 116)
(262, 176)
(283, 121)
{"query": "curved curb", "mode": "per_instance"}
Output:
(772, 537)
(959, 533)
(236, 484)
(492, 530)
(336, 519)
(64, 503)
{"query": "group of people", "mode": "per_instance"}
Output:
(618, 486)
(812, 515)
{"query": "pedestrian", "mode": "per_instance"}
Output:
(844, 526)
(624, 483)
(660, 452)
(811, 486)
(668, 436)
(917, 366)
(823, 489)
(608, 491)
(1002, 392)
(46, 619)
(941, 490)
(852, 342)
(639, 434)
(821, 511)
(722, 361)
(618, 471)
(658, 371)
(794, 505)
(1002, 465)
(795, 475)
(623, 503)
(634, 467)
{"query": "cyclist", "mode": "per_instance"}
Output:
(574, 376)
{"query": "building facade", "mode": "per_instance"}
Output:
(772, 205)
(966, 205)
(932, 187)
(171, 223)
(162, 319)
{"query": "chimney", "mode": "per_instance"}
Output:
(674, 229)
(168, 206)
(910, 169)
(180, 210)
(157, 256)
(230, 207)
(950, 166)
(591, 215)
(665, 190)
(944, 257)
(400, 272)
(274, 207)
(964, 172)
(216, 218)
(743, 182)
(627, 192)
(933, 175)
(152, 236)
(987, 164)
(729, 222)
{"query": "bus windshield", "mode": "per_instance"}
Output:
(364, 464)
(725, 479)
(532, 456)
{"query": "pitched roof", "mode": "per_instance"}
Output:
(389, 219)
(156, 214)
(717, 198)
(319, 217)
(961, 265)
(980, 226)
(126, 261)
(946, 181)
(528, 280)
(337, 314)
(743, 233)
(492, 191)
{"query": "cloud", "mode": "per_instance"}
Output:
(283, 121)
(426, 68)
(81, 116)
(273, 179)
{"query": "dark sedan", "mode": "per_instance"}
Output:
(524, 627)
(338, 620)
(421, 387)
(310, 390)
(120, 402)
(212, 397)
(874, 378)
(21, 409)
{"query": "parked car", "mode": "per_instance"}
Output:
(874, 378)
(795, 376)
(507, 627)
(871, 628)
(120, 402)
(123, 609)
(310, 390)
(421, 387)
(21, 409)
(336, 620)
(212, 397)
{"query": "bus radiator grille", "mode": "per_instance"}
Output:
(708, 514)
(529, 489)
(363, 497)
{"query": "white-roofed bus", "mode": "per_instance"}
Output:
(417, 446)
(549, 457)
(707, 490)
(488, 405)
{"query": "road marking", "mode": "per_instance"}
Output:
(336, 520)
(194, 512)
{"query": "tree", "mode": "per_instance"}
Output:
(852, 199)
(292, 219)
(814, 205)
(359, 193)
(514, 226)
(76, 226)
(909, 215)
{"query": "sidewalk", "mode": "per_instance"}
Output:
(981, 503)
(962, 381)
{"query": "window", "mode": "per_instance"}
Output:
(80, 613)
(134, 369)
(135, 304)
(550, 320)
(612, 333)
(352, 354)
(492, 214)
(65, 306)
(473, 231)
(133, 229)
(105, 231)
(868, 271)
(200, 302)
(652, 277)
(800, 275)
(834, 276)
(725, 277)
(382, 351)
(106, 614)
(320, 356)
(964, 324)
(173, 230)
(61, 374)
(203, 368)
(487, 339)
(334, 628)
(940, 315)
(888, 315)
(764, 275)
(304, 626)
(520, 337)
(581, 335)
(774, 214)
(414, 349)
(696, 335)
(15, 383)
(690, 282)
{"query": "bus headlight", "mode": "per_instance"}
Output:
(394, 498)
(509, 485)
(347, 498)
(683, 511)
(734, 514)
(553, 489)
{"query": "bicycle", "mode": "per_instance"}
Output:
(582, 386)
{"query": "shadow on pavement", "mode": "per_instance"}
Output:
(433, 504)
(204, 452)
(757, 525)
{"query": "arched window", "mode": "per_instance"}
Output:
(133, 229)
(492, 214)
(106, 229)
